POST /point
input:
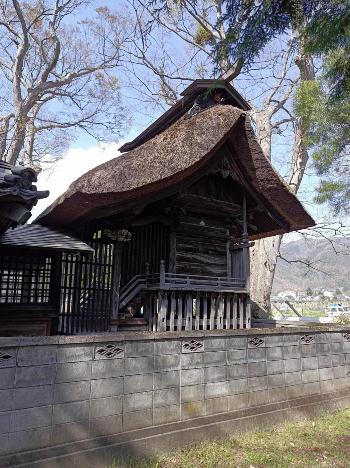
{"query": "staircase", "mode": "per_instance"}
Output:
(132, 289)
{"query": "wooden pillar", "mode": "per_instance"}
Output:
(162, 314)
(162, 273)
(246, 260)
(117, 260)
(55, 288)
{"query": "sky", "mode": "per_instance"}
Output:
(56, 177)
(85, 153)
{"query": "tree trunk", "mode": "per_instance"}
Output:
(263, 259)
(18, 138)
(263, 124)
(29, 142)
(4, 130)
(264, 254)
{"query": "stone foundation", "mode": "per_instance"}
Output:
(86, 399)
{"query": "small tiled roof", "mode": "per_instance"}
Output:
(34, 236)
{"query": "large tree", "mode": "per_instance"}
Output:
(57, 77)
(326, 104)
(207, 30)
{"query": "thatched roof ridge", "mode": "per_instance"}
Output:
(183, 105)
(173, 157)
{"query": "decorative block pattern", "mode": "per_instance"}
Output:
(346, 336)
(61, 393)
(256, 341)
(4, 356)
(192, 346)
(109, 351)
(307, 339)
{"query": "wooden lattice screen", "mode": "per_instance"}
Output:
(86, 289)
(25, 278)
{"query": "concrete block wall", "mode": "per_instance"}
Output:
(57, 390)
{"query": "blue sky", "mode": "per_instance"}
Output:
(85, 153)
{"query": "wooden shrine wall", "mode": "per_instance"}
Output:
(212, 211)
(200, 256)
(149, 244)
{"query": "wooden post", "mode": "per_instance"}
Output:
(228, 259)
(205, 311)
(188, 314)
(212, 312)
(179, 311)
(234, 320)
(55, 288)
(172, 311)
(149, 311)
(155, 311)
(278, 310)
(117, 257)
(228, 312)
(163, 299)
(248, 315)
(241, 311)
(162, 274)
(220, 312)
(197, 311)
(293, 309)
(246, 262)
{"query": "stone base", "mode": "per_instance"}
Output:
(100, 452)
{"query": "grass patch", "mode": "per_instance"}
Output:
(324, 441)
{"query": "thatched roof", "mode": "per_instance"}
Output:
(189, 95)
(173, 157)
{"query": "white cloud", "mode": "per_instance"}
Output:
(56, 177)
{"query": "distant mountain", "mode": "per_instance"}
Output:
(316, 264)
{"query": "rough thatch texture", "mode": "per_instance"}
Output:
(265, 179)
(156, 164)
(172, 157)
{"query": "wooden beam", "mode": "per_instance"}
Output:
(293, 308)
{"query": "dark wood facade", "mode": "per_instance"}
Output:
(31, 278)
(29, 285)
(171, 221)
(179, 263)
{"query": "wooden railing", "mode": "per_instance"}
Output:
(206, 283)
(174, 281)
(196, 310)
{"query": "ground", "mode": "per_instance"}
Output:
(324, 441)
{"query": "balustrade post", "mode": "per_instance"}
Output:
(162, 273)
(147, 272)
(246, 259)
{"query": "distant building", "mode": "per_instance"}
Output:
(288, 295)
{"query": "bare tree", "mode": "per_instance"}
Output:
(57, 76)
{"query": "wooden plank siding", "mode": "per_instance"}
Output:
(200, 256)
